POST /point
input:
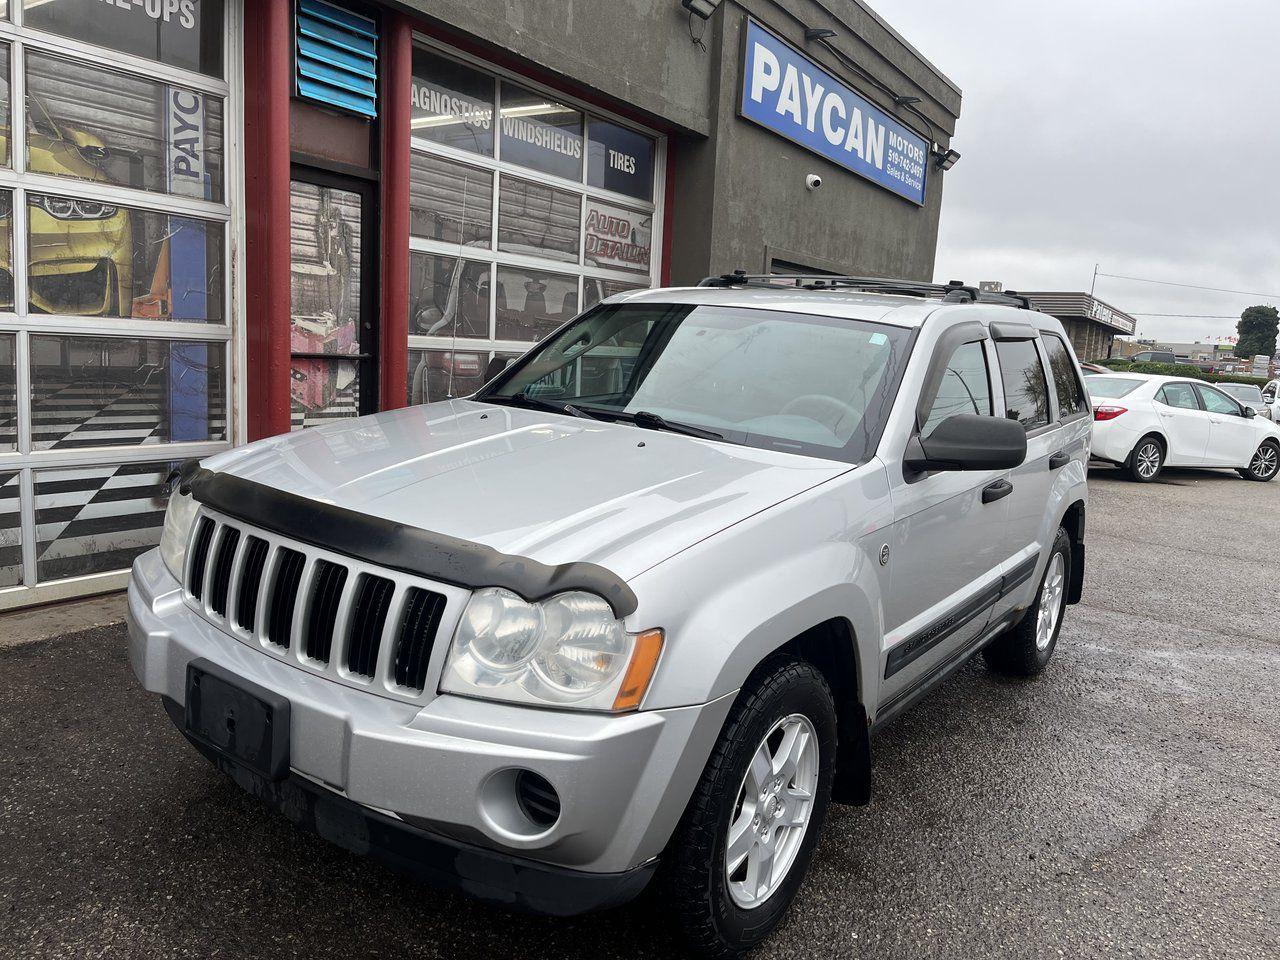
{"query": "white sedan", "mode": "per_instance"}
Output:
(1143, 423)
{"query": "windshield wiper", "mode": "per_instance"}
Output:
(652, 421)
(536, 403)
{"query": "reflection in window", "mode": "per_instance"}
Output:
(4, 102)
(964, 388)
(541, 134)
(8, 395)
(447, 299)
(594, 290)
(10, 532)
(322, 391)
(124, 391)
(532, 303)
(1071, 400)
(87, 123)
(537, 220)
(185, 34)
(324, 282)
(450, 202)
(441, 374)
(95, 519)
(89, 258)
(1026, 394)
(617, 237)
(6, 250)
(452, 104)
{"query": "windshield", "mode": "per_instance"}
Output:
(783, 381)
(1109, 388)
(1242, 391)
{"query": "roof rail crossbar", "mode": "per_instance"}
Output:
(955, 291)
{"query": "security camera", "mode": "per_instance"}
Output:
(813, 181)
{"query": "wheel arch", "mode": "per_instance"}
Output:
(1073, 522)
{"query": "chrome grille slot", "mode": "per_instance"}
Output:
(327, 582)
(284, 596)
(368, 618)
(223, 558)
(255, 562)
(423, 611)
(199, 557)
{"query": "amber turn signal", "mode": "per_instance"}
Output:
(644, 660)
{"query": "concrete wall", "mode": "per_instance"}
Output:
(740, 196)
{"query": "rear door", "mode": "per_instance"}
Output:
(1233, 437)
(1185, 424)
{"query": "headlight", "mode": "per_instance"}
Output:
(178, 518)
(568, 651)
(64, 208)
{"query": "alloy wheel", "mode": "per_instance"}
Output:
(772, 811)
(1050, 600)
(1148, 460)
(1265, 461)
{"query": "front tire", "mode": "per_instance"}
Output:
(744, 844)
(1025, 648)
(1146, 461)
(1265, 463)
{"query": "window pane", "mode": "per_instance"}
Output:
(448, 201)
(10, 532)
(87, 258)
(452, 104)
(4, 101)
(532, 303)
(1026, 395)
(186, 34)
(617, 237)
(123, 391)
(1066, 381)
(446, 300)
(538, 220)
(964, 388)
(619, 159)
(1216, 402)
(1179, 395)
(324, 242)
(87, 123)
(6, 250)
(594, 290)
(8, 396)
(322, 391)
(541, 134)
(97, 519)
(440, 374)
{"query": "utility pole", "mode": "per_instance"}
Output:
(1095, 279)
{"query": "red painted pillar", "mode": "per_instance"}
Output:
(394, 115)
(268, 55)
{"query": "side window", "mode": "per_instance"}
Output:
(1269, 392)
(965, 387)
(1178, 395)
(1216, 401)
(1065, 378)
(1026, 394)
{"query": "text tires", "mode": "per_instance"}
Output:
(1025, 648)
(1146, 461)
(744, 844)
(1265, 463)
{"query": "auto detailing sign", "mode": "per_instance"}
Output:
(618, 237)
(787, 93)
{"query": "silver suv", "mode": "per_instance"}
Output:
(633, 610)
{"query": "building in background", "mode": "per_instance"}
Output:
(223, 220)
(1092, 324)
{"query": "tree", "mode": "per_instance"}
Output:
(1257, 330)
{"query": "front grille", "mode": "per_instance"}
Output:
(346, 615)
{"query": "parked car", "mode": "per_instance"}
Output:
(1091, 368)
(1154, 356)
(1271, 397)
(1144, 423)
(1250, 395)
(539, 642)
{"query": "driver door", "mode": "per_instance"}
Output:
(947, 532)
(1233, 437)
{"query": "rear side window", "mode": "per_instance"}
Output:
(965, 387)
(1026, 394)
(1065, 379)
(1178, 395)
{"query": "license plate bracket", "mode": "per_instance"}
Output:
(237, 718)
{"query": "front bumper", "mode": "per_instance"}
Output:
(623, 781)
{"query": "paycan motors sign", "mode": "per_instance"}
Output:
(787, 93)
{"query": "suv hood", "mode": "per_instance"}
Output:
(549, 487)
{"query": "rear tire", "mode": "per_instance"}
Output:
(1025, 648)
(1147, 460)
(721, 914)
(1265, 463)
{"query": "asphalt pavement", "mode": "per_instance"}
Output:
(1125, 803)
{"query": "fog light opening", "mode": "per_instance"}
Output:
(537, 799)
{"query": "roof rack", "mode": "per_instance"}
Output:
(953, 292)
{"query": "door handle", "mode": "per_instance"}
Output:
(996, 490)
(1059, 460)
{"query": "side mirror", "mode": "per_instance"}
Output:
(1250, 413)
(969, 442)
(495, 367)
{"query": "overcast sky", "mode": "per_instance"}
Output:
(1143, 135)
